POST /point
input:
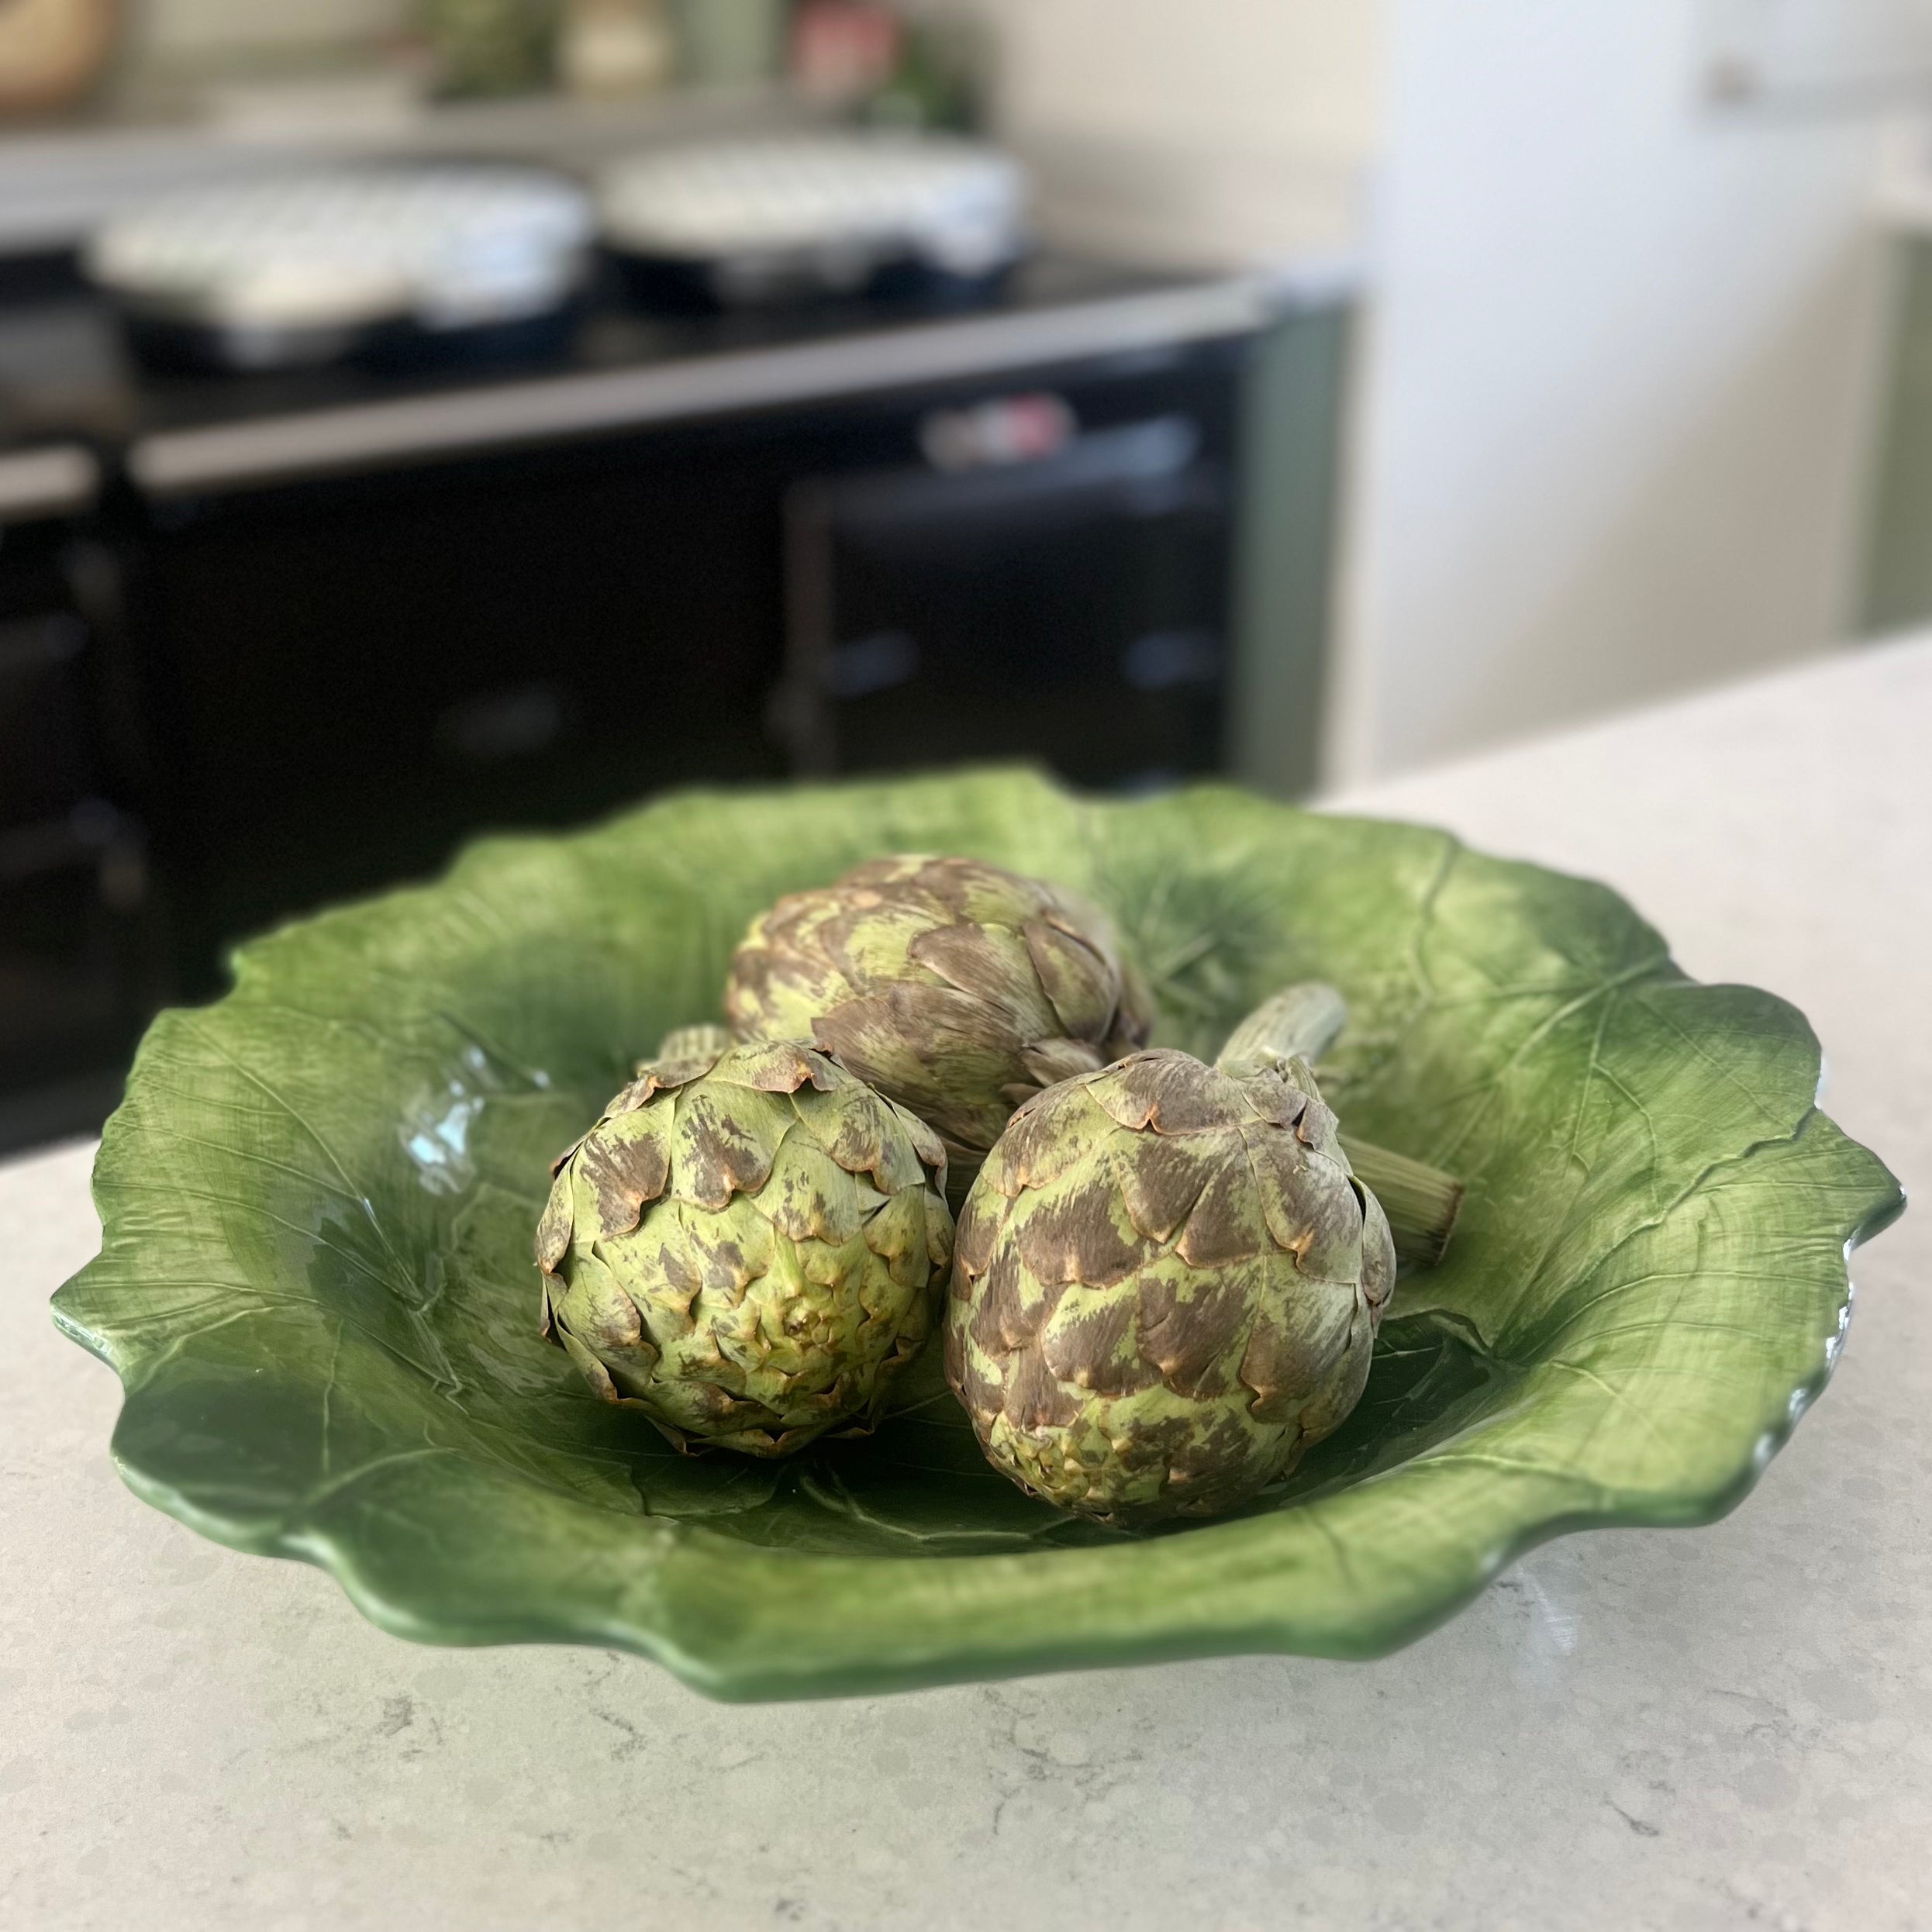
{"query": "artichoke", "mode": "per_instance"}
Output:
(1166, 1284)
(958, 989)
(747, 1246)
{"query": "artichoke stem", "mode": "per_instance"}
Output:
(1421, 1202)
(1299, 1022)
(702, 1042)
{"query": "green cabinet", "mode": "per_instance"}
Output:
(1285, 547)
(1898, 579)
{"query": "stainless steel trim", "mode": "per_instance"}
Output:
(283, 448)
(48, 482)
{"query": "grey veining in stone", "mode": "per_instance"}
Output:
(1724, 1728)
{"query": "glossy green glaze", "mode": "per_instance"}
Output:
(319, 1197)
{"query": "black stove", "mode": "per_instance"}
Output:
(269, 640)
(68, 366)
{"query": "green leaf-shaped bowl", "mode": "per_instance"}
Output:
(319, 1199)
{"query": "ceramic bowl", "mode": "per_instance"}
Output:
(316, 1284)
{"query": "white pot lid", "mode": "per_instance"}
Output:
(956, 203)
(332, 246)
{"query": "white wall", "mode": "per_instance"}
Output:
(1277, 75)
(1190, 130)
(1611, 403)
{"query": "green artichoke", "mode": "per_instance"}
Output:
(958, 989)
(1166, 1284)
(747, 1246)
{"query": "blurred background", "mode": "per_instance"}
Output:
(423, 416)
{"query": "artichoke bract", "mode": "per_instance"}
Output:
(748, 1245)
(1166, 1284)
(958, 989)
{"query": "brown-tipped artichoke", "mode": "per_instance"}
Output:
(1167, 1283)
(958, 989)
(747, 1246)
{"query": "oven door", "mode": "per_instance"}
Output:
(342, 680)
(1071, 609)
(79, 964)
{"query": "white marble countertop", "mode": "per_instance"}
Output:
(1728, 1727)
